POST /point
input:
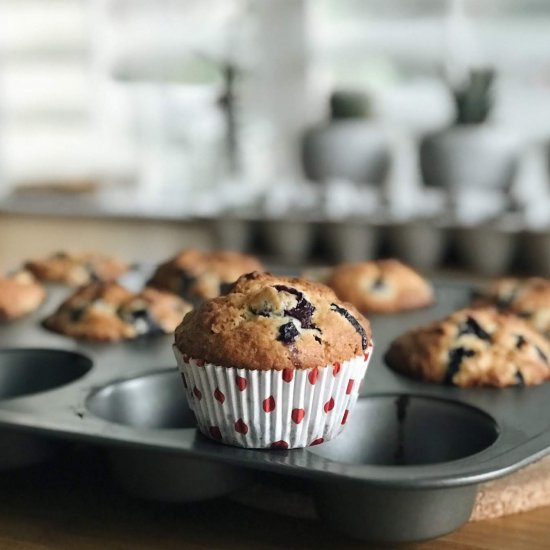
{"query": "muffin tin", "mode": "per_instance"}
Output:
(406, 467)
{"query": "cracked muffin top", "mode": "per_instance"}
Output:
(77, 269)
(266, 322)
(380, 286)
(202, 275)
(473, 347)
(108, 312)
(20, 294)
(528, 298)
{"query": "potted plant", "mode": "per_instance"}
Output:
(472, 152)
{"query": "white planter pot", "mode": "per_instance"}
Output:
(355, 150)
(469, 156)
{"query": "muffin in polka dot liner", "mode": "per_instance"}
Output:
(276, 362)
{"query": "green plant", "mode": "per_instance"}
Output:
(349, 104)
(474, 99)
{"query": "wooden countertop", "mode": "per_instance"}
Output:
(72, 503)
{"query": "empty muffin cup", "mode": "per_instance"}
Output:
(154, 402)
(402, 431)
(26, 372)
(288, 239)
(420, 243)
(277, 409)
(487, 249)
(350, 240)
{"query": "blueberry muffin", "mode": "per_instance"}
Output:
(380, 286)
(528, 298)
(275, 362)
(77, 269)
(108, 312)
(473, 347)
(197, 275)
(20, 294)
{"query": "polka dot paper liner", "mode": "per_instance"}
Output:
(272, 409)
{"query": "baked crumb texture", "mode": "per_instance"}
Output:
(107, 312)
(380, 286)
(197, 275)
(473, 347)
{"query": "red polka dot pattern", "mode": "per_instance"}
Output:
(241, 427)
(219, 396)
(288, 375)
(234, 406)
(329, 405)
(297, 415)
(215, 432)
(268, 404)
(345, 417)
(313, 375)
(241, 382)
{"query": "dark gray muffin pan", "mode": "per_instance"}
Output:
(406, 467)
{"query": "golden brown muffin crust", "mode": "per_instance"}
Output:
(266, 322)
(528, 298)
(194, 274)
(380, 286)
(108, 312)
(473, 347)
(76, 269)
(20, 294)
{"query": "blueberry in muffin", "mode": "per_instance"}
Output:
(528, 298)
(108, 312)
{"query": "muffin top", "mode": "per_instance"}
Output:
(109, 312)
(76, 269)
(528, 298)
(266, 322)
(473, 347)
(20, 293)
(195, 274)
(380, 286)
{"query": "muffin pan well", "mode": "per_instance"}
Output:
(406, 467)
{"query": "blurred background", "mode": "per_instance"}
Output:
(309, 131)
